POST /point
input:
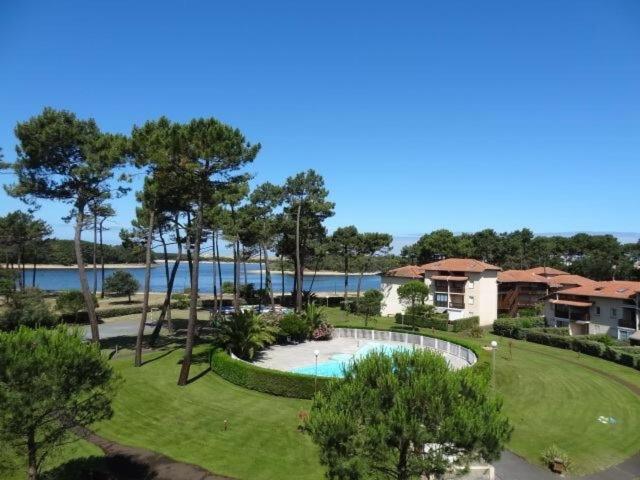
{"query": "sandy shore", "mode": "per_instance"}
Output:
(88, 266)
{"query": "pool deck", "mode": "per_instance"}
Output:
(288, 357)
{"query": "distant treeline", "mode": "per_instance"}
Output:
(61, 252)
(600, 257)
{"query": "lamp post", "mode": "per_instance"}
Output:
(315, 378)
(494, 347)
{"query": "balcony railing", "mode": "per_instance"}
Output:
(459, 305)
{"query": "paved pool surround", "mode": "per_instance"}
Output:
(348, 341)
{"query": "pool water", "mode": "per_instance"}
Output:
(335, 366)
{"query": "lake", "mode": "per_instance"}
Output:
(67, 279)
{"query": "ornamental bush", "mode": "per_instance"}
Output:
(294, 327)
(465, 324)
(273, 382)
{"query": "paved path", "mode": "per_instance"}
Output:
(512, 467)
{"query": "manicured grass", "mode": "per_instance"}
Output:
(550, 395)
(554, 396)
(186, 423)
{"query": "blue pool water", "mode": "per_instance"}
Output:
(336, 365)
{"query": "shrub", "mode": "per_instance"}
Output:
(121, 283)
(180, 301)
(27, 308)
(295, 327)
(465, 324)
(322, 332)
(601, 337)
(227, 287)
(476, 332)
(71, 303)
(273, 382)
(553, 454)
(370, 304)
(420, 310)
(515, 327)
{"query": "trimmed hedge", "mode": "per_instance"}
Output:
(515, 327)
(582, 344)
(273, 382)
(465, 324)
(438, 321)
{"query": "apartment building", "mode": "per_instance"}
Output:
(611, 307)
(461, 287)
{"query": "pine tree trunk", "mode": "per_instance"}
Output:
(193, 304)
(267, 277)
(147, 287)
(165, 313)
(346, 280)
(298, 266)
(236, 276)
(32, 463)
(213, 271)
(101, 261)
(219, 271)
(282, 280)
(95, 254)
(35, 262)
(82, 273)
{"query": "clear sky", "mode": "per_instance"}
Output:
(420, 115)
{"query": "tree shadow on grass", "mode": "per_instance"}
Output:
(116, 467)
(199, 376)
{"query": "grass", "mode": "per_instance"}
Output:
(550, 395)
(554, 396)
(187, 423)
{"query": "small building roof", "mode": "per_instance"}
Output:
(546, 271)
(621, 289)
(459, 265)
(408, 271)
(521, 276)
(568, 280)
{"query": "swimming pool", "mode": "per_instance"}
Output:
(337, 363)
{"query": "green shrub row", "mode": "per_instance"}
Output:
(546, 336)
(438, 321)
(515, 327)
(273, 382)
(465, 324)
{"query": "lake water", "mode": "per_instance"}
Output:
(66, 279)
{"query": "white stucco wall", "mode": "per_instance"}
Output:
(483, 287)
(389, 287)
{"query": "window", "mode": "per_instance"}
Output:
(597, 310)
(442, 300)
(471, 300)
(470, 283)
(614, 312)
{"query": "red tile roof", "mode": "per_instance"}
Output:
(408, 271)
(459, 265)
(546, 271)
(521, 276)
(621, 289)
(568, 280)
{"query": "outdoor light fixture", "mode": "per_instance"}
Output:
(494, 347)
(315, 378)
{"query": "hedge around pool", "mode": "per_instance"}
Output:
(266, 380)
(294, 385)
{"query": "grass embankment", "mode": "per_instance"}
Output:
(556, 396)
(550, 395)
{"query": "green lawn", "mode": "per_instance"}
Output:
(186, 423)
(550, 395)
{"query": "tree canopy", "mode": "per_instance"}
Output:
(404, 416)
(62, 383)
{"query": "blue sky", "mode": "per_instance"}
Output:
(420, 115)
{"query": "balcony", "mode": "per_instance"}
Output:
(456, 287)
(459, 305)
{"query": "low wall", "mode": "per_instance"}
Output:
(451, 348)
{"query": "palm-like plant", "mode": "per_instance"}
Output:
(243, 334)
(314, 315)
